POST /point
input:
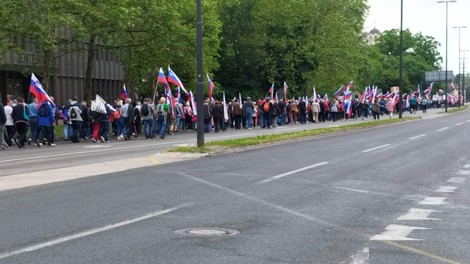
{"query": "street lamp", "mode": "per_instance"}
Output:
(199, 82)
(400, 89)
(447, 28)
(460, 74)
(463, 74)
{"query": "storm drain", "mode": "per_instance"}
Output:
(207, 231)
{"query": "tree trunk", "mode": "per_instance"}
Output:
(89, 68)
(46, 68)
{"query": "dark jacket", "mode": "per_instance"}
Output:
(3, 117)
(18, 113)
(218, 111)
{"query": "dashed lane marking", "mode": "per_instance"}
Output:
(398, 233)
(458, 124)
(376, 148)
(442, 129)
(433, 201)
(89, 232)
(293, 172)
(446, 189)
(415, 214)
(418, 136)
(463, 172)
(456, 180)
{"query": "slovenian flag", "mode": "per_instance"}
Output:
(211, 86)
(161, 78)
(36, 89)
(172, 78)
(123, 92)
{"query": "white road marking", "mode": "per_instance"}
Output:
(466, 166)
(96, 151)
(422, 135)
(89, 232)
(398, 233)
(352, 190)
(442, 129)
(468, 121)
(293, 172)
(463, 172)
(433, 201)
(362, 257)
(379, 147)
(446, 189)
(458, 124)
(456, 180)
(418, 214)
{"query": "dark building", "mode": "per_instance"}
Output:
(67, 73)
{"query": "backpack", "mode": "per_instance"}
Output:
(144, 110)
(73, 113)
(42, 110)
(160, 110)
(117, 114)
(266, 107)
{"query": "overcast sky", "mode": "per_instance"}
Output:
(429, 18)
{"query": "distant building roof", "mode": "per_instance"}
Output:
(375, 31)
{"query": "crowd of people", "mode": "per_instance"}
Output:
(126, 119)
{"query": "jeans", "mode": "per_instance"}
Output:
(177, 123)
(104, 128)
(161, 126)
(120, 126)
(2, 136)
(67, 131)
(281, 119)
(148, 128)
(248, 117)
(77, 128)
(34, 129)
(46, 132)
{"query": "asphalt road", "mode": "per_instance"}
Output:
(394, 194)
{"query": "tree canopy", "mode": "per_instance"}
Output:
(248, 44)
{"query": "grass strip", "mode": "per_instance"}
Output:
(454, 109)
(272, 138)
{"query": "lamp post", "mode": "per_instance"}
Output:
(460, 74)
(463, 75)
(447, 29)
(400, 89)
(199, 82)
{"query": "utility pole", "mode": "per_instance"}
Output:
(400, 90)
(447, 29)
(199, 82)
(460, 74)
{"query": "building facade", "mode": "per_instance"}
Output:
(67, 73)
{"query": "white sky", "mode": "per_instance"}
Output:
(429, 18)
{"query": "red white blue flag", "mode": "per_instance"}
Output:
(161, 78)
(36, 89)
(123, 94)
(211, 86)
(173, 78)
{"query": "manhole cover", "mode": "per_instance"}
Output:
(207, 231)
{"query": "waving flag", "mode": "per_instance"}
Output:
(211, 86)
(225, 109)
(161, 78)
(340, 90)
(240, 100)
(428, 90)
(123, 94)
(36, 89)
(172, 78)
(349, 109)
(271, 91)
(314, 94)
(285, 91)
(193, 103)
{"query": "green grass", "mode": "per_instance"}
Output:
(455, 109)
(272, 138)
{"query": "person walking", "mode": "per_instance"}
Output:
(3, 120)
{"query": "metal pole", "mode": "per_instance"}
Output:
(460, 73)
(400, 90)
(199, 82)
(447, 28)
